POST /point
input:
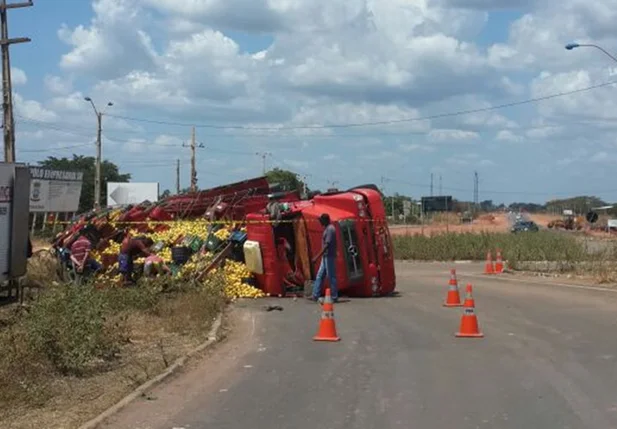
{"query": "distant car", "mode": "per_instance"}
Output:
(525, 226)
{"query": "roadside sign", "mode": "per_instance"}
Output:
(131, 193)
(54, 190)
(406, 208)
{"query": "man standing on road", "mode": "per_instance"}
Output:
(327, 254)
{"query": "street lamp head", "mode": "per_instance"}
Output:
(571, 46)
(87, 99)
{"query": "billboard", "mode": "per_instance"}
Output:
(131, 193)
(437, 204)
(54, 190)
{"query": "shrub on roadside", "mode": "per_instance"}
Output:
(80, 330)
(68, 327)
(540, 246)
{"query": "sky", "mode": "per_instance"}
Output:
(342, 93)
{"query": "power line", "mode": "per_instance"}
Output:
(54, 149)
(363, 124)
(575, 192)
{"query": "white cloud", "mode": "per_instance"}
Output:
(112, 45)
(18, 76)
(414, 147)
(445, 135)
(33, 110)
(58, 85)
(508, 136)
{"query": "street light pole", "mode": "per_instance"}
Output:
(97, 164)
(571, 46)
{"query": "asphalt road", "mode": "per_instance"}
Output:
(549, 360)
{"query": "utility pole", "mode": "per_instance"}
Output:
(440, 188)
(263, 156)
(7, 90)
(431, 184)
(193, 169)
(99, 154)
(99, 144)
(178, 176)
(475, 190)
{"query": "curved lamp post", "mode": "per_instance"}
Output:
(571, 46)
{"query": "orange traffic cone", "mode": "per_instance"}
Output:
(488, 268)
(453, 298)
(327, 325)
(469, 301)
(469, 324)
(498, 263)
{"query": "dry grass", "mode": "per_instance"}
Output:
(77, 350)
(545, 251)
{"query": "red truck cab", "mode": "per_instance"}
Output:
(364, 259)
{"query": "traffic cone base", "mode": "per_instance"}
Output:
(461, 335)
(469, 325)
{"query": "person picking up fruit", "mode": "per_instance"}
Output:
(131, 248)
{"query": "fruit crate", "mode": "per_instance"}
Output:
(192, 242)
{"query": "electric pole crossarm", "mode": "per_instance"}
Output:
(14, 40)
(4, 6)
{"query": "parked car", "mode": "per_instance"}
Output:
(525, 226)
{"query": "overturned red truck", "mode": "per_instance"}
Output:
(283, 233)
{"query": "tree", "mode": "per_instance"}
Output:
(581, 204)
(86, 164)
(288, 180)
(166, 193)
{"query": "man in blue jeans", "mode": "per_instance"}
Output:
(328, 259)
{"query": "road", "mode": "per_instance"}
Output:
(549, 360)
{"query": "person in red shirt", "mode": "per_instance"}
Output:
(80, 253)
(129, 249)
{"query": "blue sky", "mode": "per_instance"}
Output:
(337, 92)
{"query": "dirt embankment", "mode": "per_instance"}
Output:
(492, 222)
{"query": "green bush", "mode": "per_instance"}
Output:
(68, 327)
(540, 246)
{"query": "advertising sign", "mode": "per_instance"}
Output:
(131, 193)
(54, 190)
(406, 208)
(437, 204)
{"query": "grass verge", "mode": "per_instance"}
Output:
(78, 349)
(541, 246)
(543, 251)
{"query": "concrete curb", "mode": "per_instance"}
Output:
(172, 369)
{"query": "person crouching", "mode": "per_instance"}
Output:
(129, 250)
